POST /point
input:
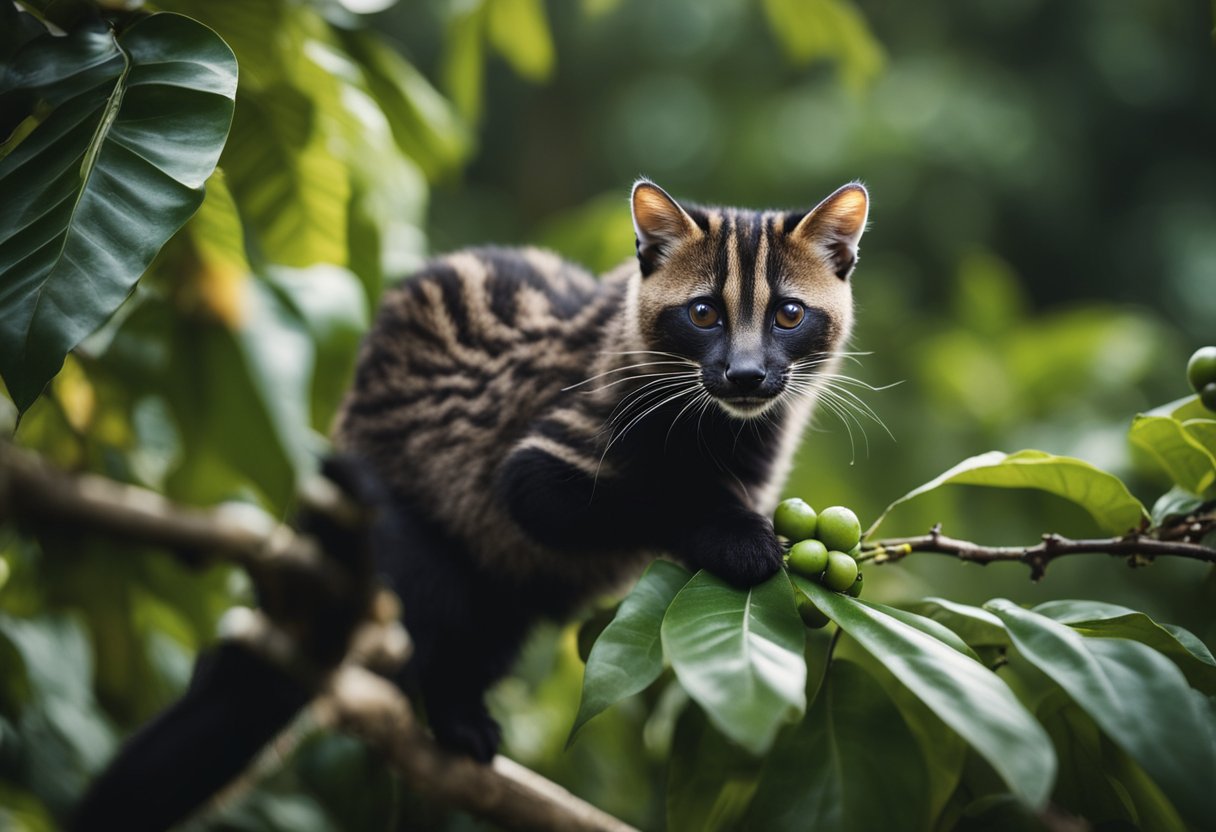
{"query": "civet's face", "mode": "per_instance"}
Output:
(757, 300)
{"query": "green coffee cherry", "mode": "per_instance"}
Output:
(794, 519)
(811, 616)
(854, 552)
(1201, 370)
(1208, 395)
(855, 590)
(841, 572)
(809, 558)
(838, 528)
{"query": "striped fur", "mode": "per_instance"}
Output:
(489, 353)
(544, 434)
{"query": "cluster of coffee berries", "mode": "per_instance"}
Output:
(1201, 373)
(823, 547)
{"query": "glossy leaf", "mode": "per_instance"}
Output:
(964, 694)
(739, 655)
(974, 625)
(628, 655)
(91, 195)
(1091, 618)
(1103, 495)
(927, 626)
(852, 764)
(1139, 699)
(1182, 456)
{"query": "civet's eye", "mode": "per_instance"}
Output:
(702, 314)
(790, 314)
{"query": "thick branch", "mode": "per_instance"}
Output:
(31, 491)
(1137, 546)
(504, 792)
(352, 697)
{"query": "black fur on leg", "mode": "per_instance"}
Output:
(466, 627)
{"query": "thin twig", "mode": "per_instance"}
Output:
(1140, 547)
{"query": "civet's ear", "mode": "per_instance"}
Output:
(835, 226)
(659, 223)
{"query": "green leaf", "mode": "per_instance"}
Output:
(810, 30)
(1138, 698)
(974, 625)
(964, 694)
(852, 764)
(1085, 783)
(423, 122)
(520, 33)
(290, 187)
(1182, 456)
(1098, 620)
(739, 655)
(1202, 431)
(464, 60)
(1103, 495)
(628, 655)
(331, 304)
(97, 188)
(1175, 503)
(709, 782)
(927, 626)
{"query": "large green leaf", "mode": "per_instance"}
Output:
(739, 654)
(1183, 456)
(628, 655)
(852, 764)
(964, 694)
(1099, 620)
(1139, 699)
(1103, 495)
(97, 188)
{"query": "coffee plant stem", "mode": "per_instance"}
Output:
(1139, 547)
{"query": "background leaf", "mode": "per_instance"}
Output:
(738, 654)
(144, 116)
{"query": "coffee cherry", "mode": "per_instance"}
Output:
(1201, 369)
(1208, 395)
(838, 528)
(811, 616)
(794, 519)
(854, 552)
(841, 572)
(855, 590)
(809, 558)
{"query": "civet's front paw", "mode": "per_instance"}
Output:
(740, 548)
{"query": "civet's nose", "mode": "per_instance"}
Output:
(746, 376)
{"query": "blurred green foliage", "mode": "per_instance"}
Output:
(1040, 263)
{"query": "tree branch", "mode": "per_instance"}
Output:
(1138, 547)
(352, 697)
